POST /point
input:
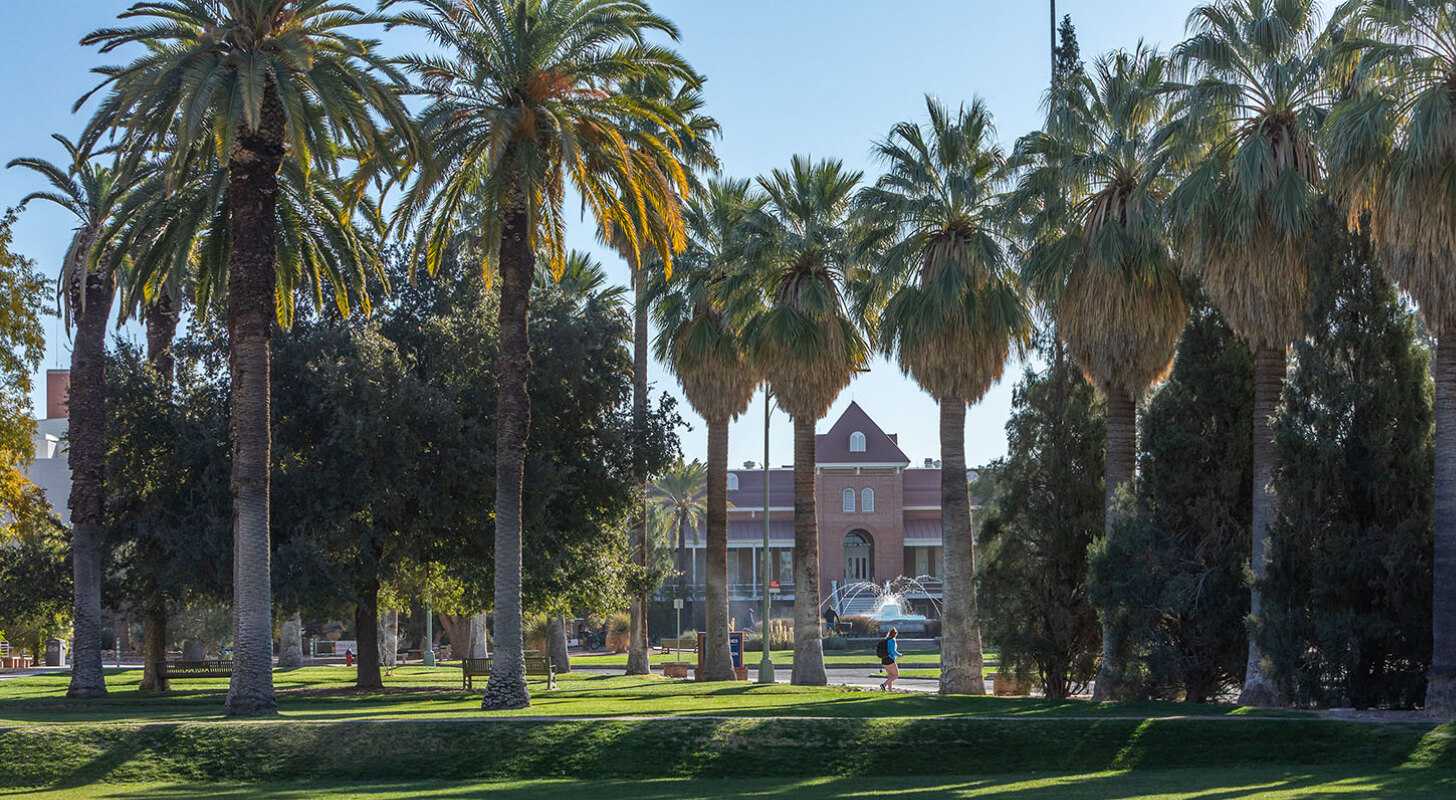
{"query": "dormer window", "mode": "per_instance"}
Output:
(732, 482)
(849, 501)
(856, 442)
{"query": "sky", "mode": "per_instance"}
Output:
(820, 77)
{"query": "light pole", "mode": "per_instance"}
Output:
(765, 664)
(429, 655)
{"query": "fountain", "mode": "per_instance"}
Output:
(889, 608)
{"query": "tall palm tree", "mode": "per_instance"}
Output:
(1245, 211)
(1109, 279)
(262, 85)
(695, 153)
(699, 339)
(1391, 153)
(528, 96)
(807, 347)
(939, 294)
(679, 496)
(91, 191)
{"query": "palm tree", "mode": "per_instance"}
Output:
(695, 153)
(1245, 211)
(699, 340)
(939, 295)
(1390, 152)
(1109, 279)
(679, 496)
(91, 192)
(529, 95)
(804, 343)
(262, 85)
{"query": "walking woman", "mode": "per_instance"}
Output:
(889, 653)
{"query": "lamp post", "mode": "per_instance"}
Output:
(765, 664)
(429, 655)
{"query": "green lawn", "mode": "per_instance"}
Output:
(780, 657)
(326, 694)
(1187, 784)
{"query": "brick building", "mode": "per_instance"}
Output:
(879, 519)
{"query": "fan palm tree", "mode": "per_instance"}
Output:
(1110, 280)
(91, 191)
(1391, 153)
(700, 342)
(805, 344)
(679, 496)
(939, 295)
(1245, 212)
(263, 85)
(528, 96)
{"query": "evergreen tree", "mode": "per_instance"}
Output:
(1173, 574)
(1045, 510)
(1067, 57)
(1349, 617)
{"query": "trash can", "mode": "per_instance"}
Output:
(55, 655)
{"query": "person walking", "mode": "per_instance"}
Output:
(889, 653)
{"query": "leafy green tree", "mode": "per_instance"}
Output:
(702, 342)
(1349, 587)
(1044, 513)
(35, 574)
(91, 191)
(1390, 154)
(22, 346)
(1172, 577)
(1245, 211)
(528, 96)
(940, 295)
(258, 84)
(806, 344)
(1110, 279)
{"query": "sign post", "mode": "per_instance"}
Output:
(677, 605)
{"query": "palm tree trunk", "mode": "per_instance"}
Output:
(506, 687)
(961, 659)
(253, 203)
(161, 324)
(1269, 367)
(560, 653)
(637, 657)
(808, 644)
(717, 660)
(479, 639)
(366, 631)
(87, 443)
(685, 588)
(1117, 472)
(291, 642)
(1441, 682)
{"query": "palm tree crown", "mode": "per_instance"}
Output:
(1245, 210)
(937, 287)
(1109, 278)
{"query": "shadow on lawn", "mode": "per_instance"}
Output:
(1200, 784)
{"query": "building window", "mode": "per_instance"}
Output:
(732, 482)
(849, 501)
(856, 442)
(867, 500)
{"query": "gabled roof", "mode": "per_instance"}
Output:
(880, 448)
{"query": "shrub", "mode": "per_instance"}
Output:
(688, 640)
(619, 632)
(535, 632)
(860, 625)
(836, 643)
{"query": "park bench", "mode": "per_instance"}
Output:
(538, 665)
(209, 668)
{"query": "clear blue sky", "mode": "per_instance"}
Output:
(810, 76)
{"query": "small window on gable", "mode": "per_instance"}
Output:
(849, 501)
(867, 500)
(856, 442)
(732, 482)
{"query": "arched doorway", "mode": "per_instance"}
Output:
(859, 557)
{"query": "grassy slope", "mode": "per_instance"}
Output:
(780, 657)
(1191, 784)
(325, 694)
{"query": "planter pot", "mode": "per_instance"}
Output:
(675, 669)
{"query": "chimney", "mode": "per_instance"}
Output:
(58, 390)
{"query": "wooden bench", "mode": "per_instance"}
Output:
(210, 668)
(538, 665)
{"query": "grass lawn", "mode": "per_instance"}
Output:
(780, 657)
(652, 738)
(1186, 784)
(326, 694)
